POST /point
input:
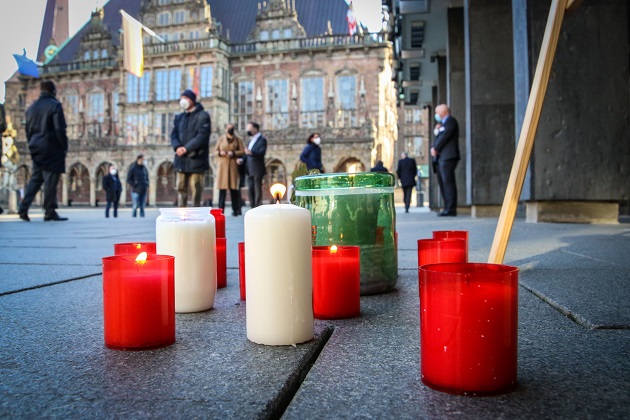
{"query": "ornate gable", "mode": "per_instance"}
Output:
(277, 19)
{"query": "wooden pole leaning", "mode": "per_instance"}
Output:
(528, 131)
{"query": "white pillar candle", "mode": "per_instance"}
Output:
(279, 278)
(189, 235)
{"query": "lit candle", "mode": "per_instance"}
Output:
(188, 234)
(221, 263)
(219, 222)
(241, 269)
(336, 282)
(134, 248)
(279, 277)
(138, 301)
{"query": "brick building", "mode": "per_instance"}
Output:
(288, 64)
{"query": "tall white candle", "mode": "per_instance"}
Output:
(189, 235)
(279, 277)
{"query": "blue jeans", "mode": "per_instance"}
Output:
(139, 199)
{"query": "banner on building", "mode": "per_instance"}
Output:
(26, 66)
(352, 20)
(133, 56)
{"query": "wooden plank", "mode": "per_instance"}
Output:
(528, 131)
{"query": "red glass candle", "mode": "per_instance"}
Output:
(139, 302)
(221, 263)
(451, 234)
(241, 268)
(219, 222)
(433, 251)
(134, 248)
(468, 327)
(336, 282)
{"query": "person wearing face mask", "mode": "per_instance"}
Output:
(113, 189)
(254, 160)
(48, 144)
(229, 148)
(190, 140)
(312, 153)
(445, 152)
(138, 178)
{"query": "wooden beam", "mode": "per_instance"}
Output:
(528, 131)
(573, 4)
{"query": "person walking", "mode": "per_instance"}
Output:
(229, 148)
(190, 140)
(254, 159)
(312, 153)
(48, 144)
(379, 167)
(113, 189)
(138, 178)
(446, 151)
(407, 171)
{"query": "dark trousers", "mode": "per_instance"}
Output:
(236, 200)
(255, 190)
(109, 205)
(407, 196)
(446, 179)
(49, 180)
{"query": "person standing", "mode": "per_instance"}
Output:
(446, 151)
(229, 148)
(138, 178)
(113, 189)
(407, 171)
(48, 144)
(312, 153)
(190, 140)
(255, 163)
(379, 167)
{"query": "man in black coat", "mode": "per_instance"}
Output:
(113, 188)
(138, 178)
(255, 163)
(406, 172)
(190, 140)
(48, 144)
(446, 151)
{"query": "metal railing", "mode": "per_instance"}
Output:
(101, 63)
(323, 41)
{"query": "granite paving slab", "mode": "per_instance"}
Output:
(18, 277)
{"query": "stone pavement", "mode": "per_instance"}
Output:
(574, 333)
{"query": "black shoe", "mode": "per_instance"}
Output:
(1, 210)
(54, 217)
(447, 213)
(24, 216)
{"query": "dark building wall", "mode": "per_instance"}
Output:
(490, 100)
(582, 149)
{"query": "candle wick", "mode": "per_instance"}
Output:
(277, 197)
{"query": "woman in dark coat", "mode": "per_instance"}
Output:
(113, 188)
(312, 153)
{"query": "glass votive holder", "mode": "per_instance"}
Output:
(468, 327)
(241, 269)
(221, 263)
(336, 282)
(134, 248)
(451, 234)
(139, 302)
(219, 222)
(434, 251)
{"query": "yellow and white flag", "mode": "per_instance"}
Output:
(133, 58)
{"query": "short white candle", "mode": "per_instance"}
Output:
(278, 257)
(189, 235)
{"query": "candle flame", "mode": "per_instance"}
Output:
(138, 246)
(141, 258)
(333, 249)
(278, 191)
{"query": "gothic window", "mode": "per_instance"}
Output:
(95, 54)
(179, 17)
(138, 87)
(86, 55)
(264, 35)
(104, 53)
(174, 83)
(312, 102)
(346, 91)
(95, 107)
(164, 19)
(243, 104)
(288, 33)
(161, 84)
(163, 2)
(205, 85)
(277, 103)
(275, 34)
(137, 128)
(164, 127)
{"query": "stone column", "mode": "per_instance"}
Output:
(153, 189)
(64, 189)
(92, 191)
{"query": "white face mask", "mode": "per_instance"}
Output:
(113, 171)
(317, 140)
(184, 104)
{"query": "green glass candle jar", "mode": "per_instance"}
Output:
(355, 209)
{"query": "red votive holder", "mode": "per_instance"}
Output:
(241, 268)
(219, 222)
(134, 248)
(221, 263)
(139, 302)
(451, 234)
(468, 327)
(434, 251)
(336, 282)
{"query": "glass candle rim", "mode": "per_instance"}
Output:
(135, 243)
(216, 211)
(185, 213)
(345, 250)
(473, 269)
(221, 240)
(440, 240)
(344, 180)
(450, 231)
(132, 257)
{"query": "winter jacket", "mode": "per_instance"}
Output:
(192, 131)
(138, 178)
(112, 186)
(46, 134)
(312, 157)
(227, 168)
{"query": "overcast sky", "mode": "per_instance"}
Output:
(22, 23)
